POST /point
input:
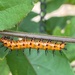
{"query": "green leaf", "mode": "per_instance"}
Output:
(55, 4)
(3, 53)
(12, 12)
(70, 53)
(29, 26)
(54, 22)
(4, 69)
(57, 29)
(70, 1)
(19, 64)
(49, 64)
(69, 31)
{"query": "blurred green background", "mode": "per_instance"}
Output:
(17, 15)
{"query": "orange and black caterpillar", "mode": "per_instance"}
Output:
(32, 44)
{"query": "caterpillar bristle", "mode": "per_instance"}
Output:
(49, 40)
(31, 39)
(17, 52)
(55, 42)
(41, 40)
(23, 51)
(53, 52)
(46, 51)
(30, 51)
(65, 48)
(10, 52)
(6, 37)
(38, 51)
(60, 52)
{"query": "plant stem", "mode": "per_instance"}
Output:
(37, 36)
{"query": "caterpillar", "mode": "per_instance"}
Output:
(32, 44)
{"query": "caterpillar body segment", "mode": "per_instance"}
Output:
(31, 44)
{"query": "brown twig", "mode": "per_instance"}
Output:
(37, 36)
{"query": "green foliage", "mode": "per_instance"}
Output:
(16, 15)
(13, 11)
(21, 64)
(4, 69)
(55, 4)
(69, 31)
(27, 25)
